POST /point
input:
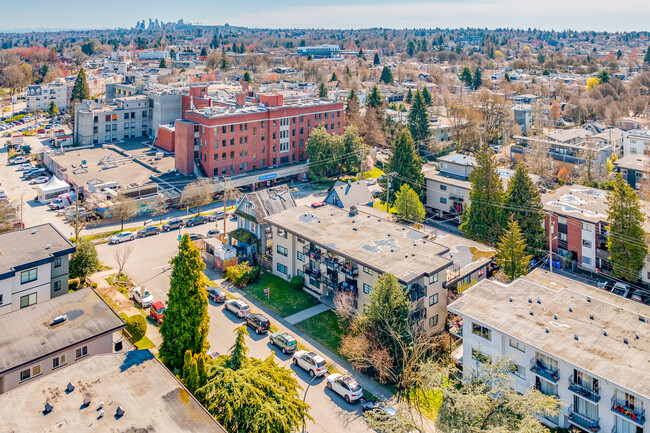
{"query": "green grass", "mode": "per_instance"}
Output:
(324, 328)
(144, 343)
(382, 206)
(428, 402)
(284, 301)
(374, 173)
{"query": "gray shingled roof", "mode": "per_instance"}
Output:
(349, 194)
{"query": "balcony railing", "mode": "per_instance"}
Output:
(417, 292)
(542, 370)
(334, 265)
(418, 315)
(350, 271)
(634, 414)
(583, 421)
(313, 273)
(583, 391)
(456, 328)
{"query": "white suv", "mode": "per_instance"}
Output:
(345, 386)
(310, 362)
(142, 297)
(238, 308)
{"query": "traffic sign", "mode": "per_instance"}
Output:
(266, 292)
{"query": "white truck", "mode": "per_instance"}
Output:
(63, 200)
(142, 297)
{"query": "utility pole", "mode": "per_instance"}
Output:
(550, 242)
(389, 175)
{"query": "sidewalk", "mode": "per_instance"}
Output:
(306, 314)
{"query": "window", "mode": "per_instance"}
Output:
(518, 371)
(517, 345)
(28, 276)
(126, 125)
(282, 250)
(443, 187)
(30, 372)
(433, 278)
(232, 128)
(81, 352)
(57, 262)
(587, 227)
(586, 261)
(301, 256)
(482, 331)
(57, 286)
(433, 321)
(367, 289)
(479, 356)
(282, 233)
(1, 300)
(27, 300)
(107, 128)
(58, 361)
(126, 115)
(443, 200)
(282, 268)
(562, 236)
(433, 299)
(561, 220)
(367, 270)
(114, 117)
(586, 243)
(633, 150)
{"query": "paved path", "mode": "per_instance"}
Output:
(306, 314)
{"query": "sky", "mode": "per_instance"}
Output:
(608, 15)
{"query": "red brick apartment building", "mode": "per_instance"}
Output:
(230, 137)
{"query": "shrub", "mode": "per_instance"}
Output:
(242, 274)
(73, 284)
(136, 325)
(93, 285)
(297, 282)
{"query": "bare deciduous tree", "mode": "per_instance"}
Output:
(160, 207)
(124, 209)
(197, 194)
(121, 256)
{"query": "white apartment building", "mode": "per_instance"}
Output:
(38, 97)
(97, 123)
(33, 266)
(637, 142)
(339, 250)
(586, 346)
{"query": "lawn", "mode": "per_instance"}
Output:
(324, 328)
(144, 343)
(381, 205)
(283, 300)
(374, 173)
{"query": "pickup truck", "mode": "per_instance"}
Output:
(142, 297)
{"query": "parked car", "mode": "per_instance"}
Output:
(19, 160)
(258, 322)
(641, 297)
(621, 289)
(376, 194)
(216, 216)
(311, 362)
(196, 236)
(25, 167)
(603, 284)
(237, 307)
(345, 386)
(40, 179)
(122, 237)
(176, 223)
(142, 297)
(217, 294)
(157, 312)
(148, 231)
(213, 233)
(195, 221)
(212, 354)
(371, 181)
(31, 174)
(284, 341)
(380, 407)
(317, 204)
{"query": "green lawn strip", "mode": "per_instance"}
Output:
(144, 343)
(374, 173)
(428, 402)
(283, 300)
(381, 205)
(324, 328)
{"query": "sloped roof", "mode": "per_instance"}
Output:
(54, 184)
(267, 202)
(349, 194)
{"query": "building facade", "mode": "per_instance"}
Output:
(97, 123)
(38, 97)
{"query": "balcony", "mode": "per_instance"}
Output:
(313, 273)
(349, 286)
(583, 421)
(550, 374)
(418, 315)
(416, 292)
(456, 328)
(350, 270)
(583, 391)
(334, 265)
(634, 414)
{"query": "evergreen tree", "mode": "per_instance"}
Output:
(374, 100)
(376, 61)
(386, 75)
(235, 48)
(80, 89)
(162, 64)
(408, 204)
(214, 43)
(418, 121)
(603, 76)
(426, 97)
(202, 368)
(406, 163)
(238, 351)
(409, 96)
(466, 77)
(204, 52)
(410, 48)
(52, 110)
(352, 103)
(347, 71)
(242, 48)
(646, 59)
(522, 200)
(84, 260)
(511, 252)
(626, 241)
(322, 91)
(334, 77)
(190, 373)
(483, 219)
(321, 149)
(478, 79)
(224, 60)
(186, 319)
(351, 150)
(361, 55)
(247, 77)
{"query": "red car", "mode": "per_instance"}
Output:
(317, 204)
(157, 312)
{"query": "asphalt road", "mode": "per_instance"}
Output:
(148, 265)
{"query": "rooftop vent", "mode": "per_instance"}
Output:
(605, 332)
(101, 405)
(539, 300)
(591, 317)
(87, 400)
(412, 254)
(101, 414)
(555, 316)
(588, 299)
(547, 330)
(70, 387)
(119, 412)
(59, 319)
(48, 407)
(48, 246)
(511, 299)
(353, 211)
(575, 337)
(354, 228)
(636, 335)
(34, 231)
(530, 300)
(625, 340)
(570, 309)
(531, 312)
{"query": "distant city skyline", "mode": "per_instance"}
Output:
(598, 15)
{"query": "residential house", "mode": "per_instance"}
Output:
(346, 195)
(566, 339)
(33, 266)
(51, 335)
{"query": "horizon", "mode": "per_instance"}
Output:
(550, 15)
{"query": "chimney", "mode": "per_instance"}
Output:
(241, 99)
(245, 86)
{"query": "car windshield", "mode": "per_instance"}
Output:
(244, 307)
(354, 386)
(321, 364)
(146, 293)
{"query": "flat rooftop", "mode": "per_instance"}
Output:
(27, 334)
(21, 249)
(605, 356)
(234, 110)
(153, 400)
(371, 240)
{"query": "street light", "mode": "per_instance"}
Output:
(304, 421)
